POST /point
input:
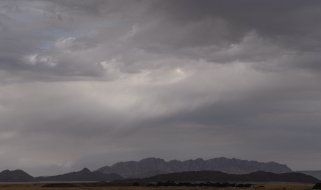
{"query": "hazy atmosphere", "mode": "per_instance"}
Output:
(94, 82)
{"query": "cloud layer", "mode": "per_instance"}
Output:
(88, 83)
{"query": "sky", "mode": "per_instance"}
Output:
(87, 83)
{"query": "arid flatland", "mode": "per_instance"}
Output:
(257, 187)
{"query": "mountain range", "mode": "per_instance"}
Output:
(220, 169)
(82, 175)
(153, 166)
(314, 173)
(190, 176)
(215, 176)
(15, 176)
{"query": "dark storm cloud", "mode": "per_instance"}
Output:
(84, 83)
(270, 18)
(289, 24)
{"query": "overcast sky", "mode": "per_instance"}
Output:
(90, 83)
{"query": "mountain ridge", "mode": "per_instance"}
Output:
(314, 173)
(217, 176)
(151, 166)
(15, 176)
(86, 175)
(82, 175)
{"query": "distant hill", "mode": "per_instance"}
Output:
(153, 166)
(314, 173)
(216, 176)
(82, 175)
(189, 176)
(15, 176)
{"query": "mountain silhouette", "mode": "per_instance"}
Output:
(15, 176)
(82, 175)
(221, 177)
(153, 166)
(314, 173)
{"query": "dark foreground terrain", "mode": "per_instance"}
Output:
(76, 186)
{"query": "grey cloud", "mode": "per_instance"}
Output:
(84, 83)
